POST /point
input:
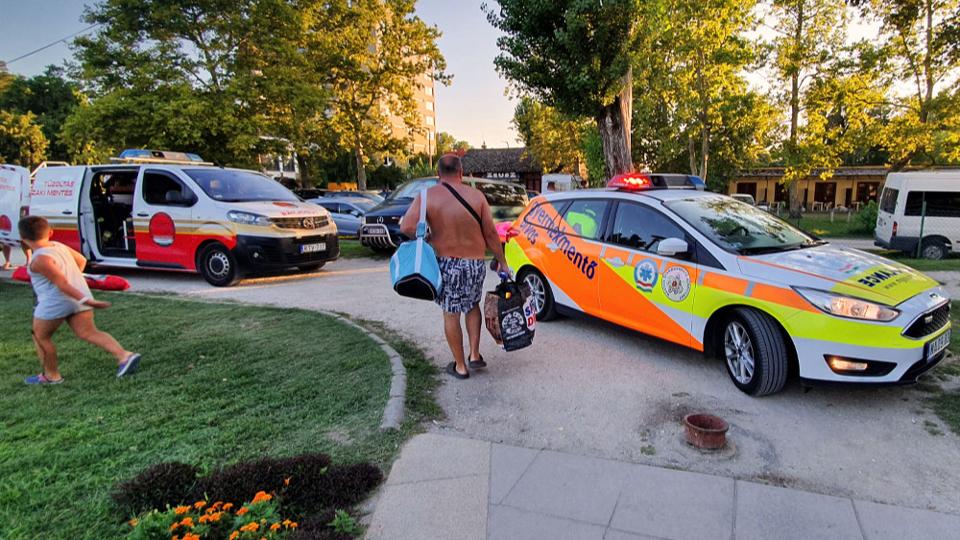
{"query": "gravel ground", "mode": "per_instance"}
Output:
(591, 388)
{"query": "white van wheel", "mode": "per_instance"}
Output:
(933, 249)
(218, 266)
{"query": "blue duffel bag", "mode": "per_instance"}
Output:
(413, 268)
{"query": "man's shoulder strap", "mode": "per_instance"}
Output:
(465, 204)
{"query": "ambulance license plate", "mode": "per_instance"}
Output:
(937, 346)
(313, 248)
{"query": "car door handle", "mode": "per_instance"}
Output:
(142, 214)
(67, 212)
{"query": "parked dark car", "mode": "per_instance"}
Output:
(373, 197)
(347, 212)
(381, 225)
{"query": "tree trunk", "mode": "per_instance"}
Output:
(794, 192)
(613, 123)
(927, 63)
(361, 171)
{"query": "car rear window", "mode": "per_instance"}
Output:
(506, 201)
(888, 201)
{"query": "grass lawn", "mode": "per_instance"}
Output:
(218, 383)
(352, 249)
(820, 225)
(947, 404)
(924, 265)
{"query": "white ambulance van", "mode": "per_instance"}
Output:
(14, 202)
(902, 223)
(172, 211)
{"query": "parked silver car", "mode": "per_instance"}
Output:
(347, 212)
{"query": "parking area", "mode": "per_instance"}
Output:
(591, 388)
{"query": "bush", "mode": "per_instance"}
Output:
(341, 487)
(866, 220)
(241, 481)
(156, 487)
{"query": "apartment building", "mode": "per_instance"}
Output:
(422, 137)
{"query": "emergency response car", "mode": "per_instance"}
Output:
(657, 254)
(171, 211)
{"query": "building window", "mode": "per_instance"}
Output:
(429, 105)
(428, 90)
(428, 119)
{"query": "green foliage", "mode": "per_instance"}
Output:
(344, 523)
(420, 168)
(387, 176)
(866, 220)
(447, 143)
(552, 139)
(593, 157)
(51, 97)
(21, 140)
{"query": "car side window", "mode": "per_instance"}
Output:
(638, 226)
(162, 189)
(585, 217)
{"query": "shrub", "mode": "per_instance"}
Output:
(866, 220)
(320, 527)
(258, 519)
(241, 481)
(341, 487)
(156, 487)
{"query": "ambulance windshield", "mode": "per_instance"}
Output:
(239, 186)
(740, 227)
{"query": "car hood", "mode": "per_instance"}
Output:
(842, 270)
(278, 209)
(390, 208)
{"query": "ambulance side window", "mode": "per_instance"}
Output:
(585, 217)
(638, 226)
(162, 189)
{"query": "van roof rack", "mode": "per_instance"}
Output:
(137, 155)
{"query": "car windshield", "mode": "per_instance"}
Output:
(411, 188)
(506, 201)
(364, 205)
(239, 186)
(740, 227)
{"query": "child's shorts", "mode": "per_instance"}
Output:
(60, 308)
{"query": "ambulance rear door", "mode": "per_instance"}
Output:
(14, 198)
(56, 197)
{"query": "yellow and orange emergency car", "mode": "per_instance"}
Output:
(658, 254)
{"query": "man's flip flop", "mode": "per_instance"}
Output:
(41, 379)
(477, 364)
(129, 365)
(452, 370)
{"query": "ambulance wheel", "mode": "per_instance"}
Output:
(755, 352)
(542, 298)
(218, 266)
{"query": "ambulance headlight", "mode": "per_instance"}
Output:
(246, 218)
(846, 306)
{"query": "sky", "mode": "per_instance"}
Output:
(473, 108)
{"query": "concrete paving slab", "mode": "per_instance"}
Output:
(514, 524)
(885, 522)
(507, 464)
(433, 457)
(675, 504)
(765, 512)
(574, 487)
(613, 534)
(452, 508)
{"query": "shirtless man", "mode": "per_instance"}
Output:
(461, 239)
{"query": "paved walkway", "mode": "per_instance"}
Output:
(445, 487)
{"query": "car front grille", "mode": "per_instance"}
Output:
(381, 220)
(929, 322)
(306, 223)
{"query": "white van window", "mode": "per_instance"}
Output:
(164, 190)
(888, 201)
(939, 203)
(228, 185)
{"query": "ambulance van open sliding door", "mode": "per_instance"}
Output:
(56, 197)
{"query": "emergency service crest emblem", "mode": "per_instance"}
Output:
(676, 283)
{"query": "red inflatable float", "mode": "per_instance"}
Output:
(101, 282)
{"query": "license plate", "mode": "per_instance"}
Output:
(313, 248)
(937, 345)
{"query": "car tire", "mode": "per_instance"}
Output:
(542, 295)
(311, 267)
(933, 249)
(753, 349)
(218, 266)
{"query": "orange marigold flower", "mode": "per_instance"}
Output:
(242, 511)
(181, 510)
(234, 535)
(261, 496)
(228, 506)
(275, 527)
(286, 481)
(199, 504)
(250, 527)
(191, 536)
(187, 521)
(215, 506)
(133, 522)
(174, 526)
(174, 537)
(293, 524)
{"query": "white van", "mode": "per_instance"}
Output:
(14, 202)
(901, 216)
(171, 211)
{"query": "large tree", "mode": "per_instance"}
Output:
(375, 54)
(551, 138)
(447, 143)
(21, 140)
(574, 55)
(51, 97)
(808, 34)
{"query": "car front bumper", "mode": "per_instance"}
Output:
(380, 235)
(261, 253)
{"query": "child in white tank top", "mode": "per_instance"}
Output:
(56, 273)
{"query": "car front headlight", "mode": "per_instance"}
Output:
(247, 218)
(846, 306)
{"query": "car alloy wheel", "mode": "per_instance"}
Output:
(739, 352)
(538, 289)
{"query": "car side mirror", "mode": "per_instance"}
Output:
(670, 247)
